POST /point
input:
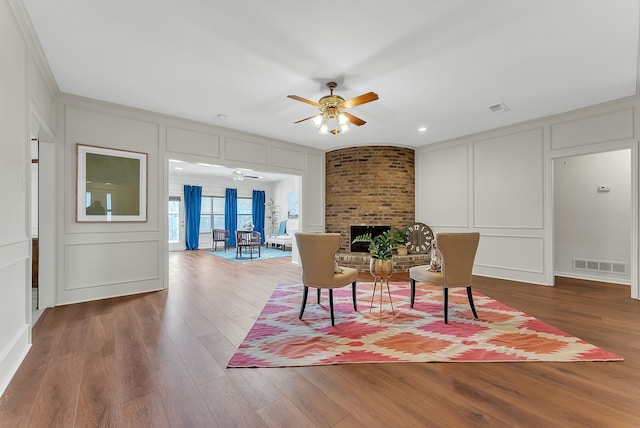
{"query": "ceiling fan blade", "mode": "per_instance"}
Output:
(364, 98)
(304, 100)
(354, 120)
(306, 118)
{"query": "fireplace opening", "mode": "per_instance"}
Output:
(357, 230)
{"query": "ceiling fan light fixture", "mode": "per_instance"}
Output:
(324, 127)
(317, 120)
(331, 107)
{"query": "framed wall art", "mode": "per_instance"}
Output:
(111, 185)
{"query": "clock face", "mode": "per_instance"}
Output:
(420, 237)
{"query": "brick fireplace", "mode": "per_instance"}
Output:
(369, 186)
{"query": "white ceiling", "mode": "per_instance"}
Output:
(438, 64)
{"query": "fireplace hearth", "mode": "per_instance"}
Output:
(357, 230)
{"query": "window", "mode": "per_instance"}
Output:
(211, 213)
(174, 219)
(245, 211)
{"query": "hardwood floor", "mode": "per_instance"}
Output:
(158, 360)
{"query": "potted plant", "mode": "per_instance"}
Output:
(399, 237)
(380, 248)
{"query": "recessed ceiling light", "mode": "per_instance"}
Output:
(178, 168)
(204, 164)
(175, 160)
(422, 129)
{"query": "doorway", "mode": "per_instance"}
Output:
(592, 200)
(36, 309)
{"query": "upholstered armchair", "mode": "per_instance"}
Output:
(317, 256)
(458, 251)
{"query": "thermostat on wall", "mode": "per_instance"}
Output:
(604, 189)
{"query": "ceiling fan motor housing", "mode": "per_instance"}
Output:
(330, 104)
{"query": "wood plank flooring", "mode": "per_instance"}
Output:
(159, 360)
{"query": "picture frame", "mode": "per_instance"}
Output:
(111, 185)
(292, 205)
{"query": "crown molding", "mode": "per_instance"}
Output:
(33, 44)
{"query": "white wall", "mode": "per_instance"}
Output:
(22, 85)
(591, 224)
(500, 184)
(15, 233)
(89, 252)
(494, 184)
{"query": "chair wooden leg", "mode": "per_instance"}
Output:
(318, 296)
(331, 305)
(304, 301)
(353, 294)
(446, 304)
(413, 291)
(473, 307)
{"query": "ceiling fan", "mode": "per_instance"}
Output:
(333, 107)
(238, 175)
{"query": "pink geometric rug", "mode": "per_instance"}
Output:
(502, 334)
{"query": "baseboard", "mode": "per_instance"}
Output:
(12, 356)
(591, 278)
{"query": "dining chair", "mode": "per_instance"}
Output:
(458, 252)
(219, 235)
(317, 256)
(247, 239)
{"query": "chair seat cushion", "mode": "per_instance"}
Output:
(347, 276)
(424, 274)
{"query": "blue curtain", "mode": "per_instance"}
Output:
(257, 208)
(231, 214)
(192, 206)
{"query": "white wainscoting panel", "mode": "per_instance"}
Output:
(513, 252)
(442, 187)
(285, 158)
(312, 203)
(193, 142)
(605, 127)
(12, 305)
(245, 151)
(101, 264)
(508, 180)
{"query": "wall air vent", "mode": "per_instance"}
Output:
(498, 108)
(600, 266)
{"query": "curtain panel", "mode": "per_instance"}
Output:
(231, 214)
(257, 208)
(192, 208)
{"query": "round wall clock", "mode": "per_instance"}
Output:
(420, 237)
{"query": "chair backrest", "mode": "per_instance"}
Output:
(256, 238)
(317, 256)
(458, 254)
(220, 234)
(244, 237)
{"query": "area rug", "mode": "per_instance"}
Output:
(265, 253)
(501, 334)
